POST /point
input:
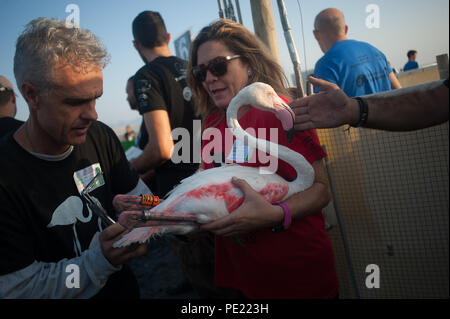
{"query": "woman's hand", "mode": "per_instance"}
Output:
(254, 213)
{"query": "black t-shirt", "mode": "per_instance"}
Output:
(161, 85)
(42, 216)
(142, 137)
(9, 124)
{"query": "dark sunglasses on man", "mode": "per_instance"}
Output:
(217, 67)
(4, 89)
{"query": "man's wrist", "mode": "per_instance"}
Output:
(353, 112)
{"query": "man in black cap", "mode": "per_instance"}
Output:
(8, 108)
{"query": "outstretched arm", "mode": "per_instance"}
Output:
(399, 110)
(410, 108)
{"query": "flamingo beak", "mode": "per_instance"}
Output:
(290, 134)
(286, 116)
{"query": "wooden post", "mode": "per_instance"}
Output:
(264, 25)
(442, 62)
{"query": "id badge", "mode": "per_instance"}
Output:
(240, 152)
(85, 175)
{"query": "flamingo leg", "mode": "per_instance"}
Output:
(133, 219)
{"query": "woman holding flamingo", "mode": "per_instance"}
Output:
(263, 249)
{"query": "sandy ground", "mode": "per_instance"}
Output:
(159, 274)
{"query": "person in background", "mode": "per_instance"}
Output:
(52, 244)
(357, 67)
(129, 135)
(129, 90)
(412, 63)
(164, 100)
(406, 109)
(141, 138)
(8, 108)
(298, 261)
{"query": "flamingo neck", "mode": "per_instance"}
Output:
(304, 170)
(85, 219)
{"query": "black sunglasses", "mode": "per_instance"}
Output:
(4, 89)
(217, 67)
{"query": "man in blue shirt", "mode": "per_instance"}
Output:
(411, 64)
(356, 67)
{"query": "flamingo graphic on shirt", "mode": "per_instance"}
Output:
(68, 213)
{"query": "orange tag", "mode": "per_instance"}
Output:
(149, 200)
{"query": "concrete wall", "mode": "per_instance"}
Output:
(422, 75)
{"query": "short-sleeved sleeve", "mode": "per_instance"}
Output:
(148, 92)
(324, 70)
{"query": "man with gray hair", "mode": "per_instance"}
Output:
(52, 244)
(8, 108)
(356, 67)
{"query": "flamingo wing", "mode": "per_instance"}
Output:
(208, 196)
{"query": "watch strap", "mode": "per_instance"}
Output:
(363, 111)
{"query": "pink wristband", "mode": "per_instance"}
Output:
(287, 219)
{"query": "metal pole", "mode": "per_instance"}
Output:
(231, 10)
(220, 8)
(291, 46)
(309, 88)
(341, 227)
(238, 9)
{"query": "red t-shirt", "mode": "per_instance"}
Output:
(297, 263)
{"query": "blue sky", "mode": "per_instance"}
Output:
(404, 25)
